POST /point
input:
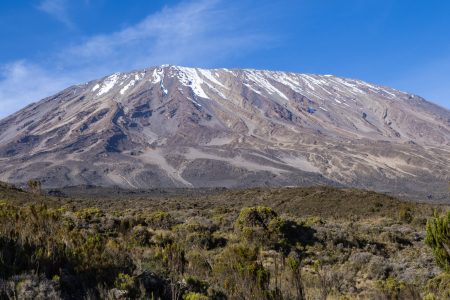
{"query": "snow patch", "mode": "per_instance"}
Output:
(286, 80)
(228, 71)
(313, 83)
(354, 88)
(139, 76)
(261, 81)
(157, 75)
(190, 78)
(163, 89)
(250, 87)
(210, 77)
(125, 88)
(195, 102)
(108, 84)
(306, 81)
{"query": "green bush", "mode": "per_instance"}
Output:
(34, 186)
(140, 235)
(196, 285)
(259, 216)
(439, 286)
(391, 287)
(89, 213)
(195, 296)
(241, 274)
(405, 215)
(263, 227)
(198, 263)
(258, 225)
(124, 282)
(160, 220)
(438, 238)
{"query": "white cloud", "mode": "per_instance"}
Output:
(57, 9)
(23, 82)
(197, 33)
(200, 32)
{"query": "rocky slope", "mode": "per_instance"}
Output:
(173, 126)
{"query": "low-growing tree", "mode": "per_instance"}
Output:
(294, 265)
(174, 256)
(260, 225)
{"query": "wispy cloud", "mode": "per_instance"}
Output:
(22, 82)
(196, 33)
(58, 9)
(200, 32)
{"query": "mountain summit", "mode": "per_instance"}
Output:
(172, 126)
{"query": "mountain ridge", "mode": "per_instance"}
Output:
(174, 126)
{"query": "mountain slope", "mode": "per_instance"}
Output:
(173, 126)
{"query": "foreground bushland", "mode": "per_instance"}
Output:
(316, 243)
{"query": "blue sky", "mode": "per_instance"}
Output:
(47, 45)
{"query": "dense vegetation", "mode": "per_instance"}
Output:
(302, 243)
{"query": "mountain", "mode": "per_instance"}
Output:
(172, 126)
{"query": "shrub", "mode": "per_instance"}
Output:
(429, 296)
(195, 296)
(196, 285)
(34, 186)
(160, 220)
(438, 238)
(195, 235)
(294, 266)
(391, 287)
(262, 226)
(89, 213)
(258, 225)
(313, 220)
(439, 286)
(198, 263)
(124, 282)
(175, 260)
(140, 235)
(405, 215)
(241, 274)
(259, 216)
